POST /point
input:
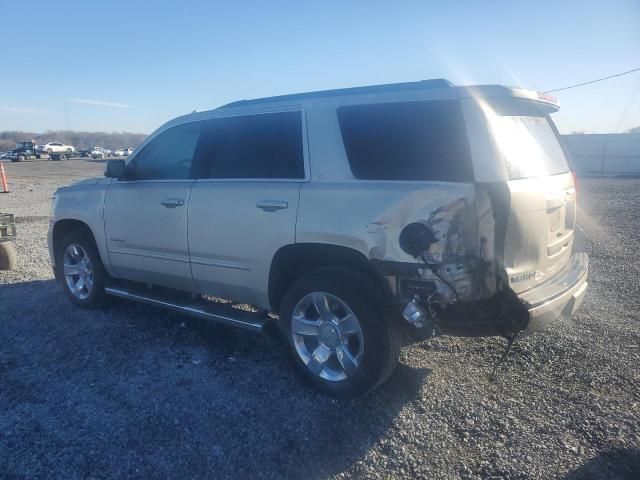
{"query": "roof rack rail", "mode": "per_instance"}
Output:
(390, 87)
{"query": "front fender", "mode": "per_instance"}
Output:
(83, 202)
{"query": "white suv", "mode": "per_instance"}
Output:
(122, 152)
(343, 217)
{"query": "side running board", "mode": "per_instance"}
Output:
(218, 312)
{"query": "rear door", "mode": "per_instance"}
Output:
(244, 202)
(539, 192)
(145, 214)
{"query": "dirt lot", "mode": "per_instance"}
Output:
(137, 392)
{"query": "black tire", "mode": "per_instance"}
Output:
(21, 158)
(382, 338)
(97, 296)
(62, 156)
(8, 257)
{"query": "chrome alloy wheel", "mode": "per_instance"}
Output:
(78, 271)
(327, 336)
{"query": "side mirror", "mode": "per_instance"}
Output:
(115, 169)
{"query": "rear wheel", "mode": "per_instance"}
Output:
(341, 340)
(80, 270)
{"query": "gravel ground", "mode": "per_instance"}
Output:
(142, 393)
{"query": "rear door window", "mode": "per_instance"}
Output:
(407, 141)
(267, 145)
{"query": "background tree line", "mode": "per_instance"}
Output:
(80, 140)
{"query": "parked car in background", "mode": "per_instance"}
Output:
(55, 147)
(122, 152)
(4, 155)
(99, 152)
(461, 220)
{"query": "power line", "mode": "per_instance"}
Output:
(593, 81)
(629, 104)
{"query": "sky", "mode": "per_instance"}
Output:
(132, 65)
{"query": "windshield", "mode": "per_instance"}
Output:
(529, 146)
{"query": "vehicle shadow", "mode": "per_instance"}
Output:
(618, 464)
(165, 394)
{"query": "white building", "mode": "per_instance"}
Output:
(604, 154)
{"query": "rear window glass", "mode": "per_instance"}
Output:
(406, 141)
(529, 146)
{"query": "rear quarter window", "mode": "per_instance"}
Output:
(406, 141)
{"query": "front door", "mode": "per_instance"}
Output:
(146, 212)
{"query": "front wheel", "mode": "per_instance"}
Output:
(80, 270)
(341, 339)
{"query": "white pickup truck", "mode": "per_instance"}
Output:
(343, 216)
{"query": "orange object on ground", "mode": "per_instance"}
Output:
(3, 177)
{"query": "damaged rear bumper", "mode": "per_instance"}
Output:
(560, 295)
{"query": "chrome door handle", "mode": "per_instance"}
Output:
(172, 202)
(272, 205)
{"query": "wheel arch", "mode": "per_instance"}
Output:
(67, 225)
(293, 261)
